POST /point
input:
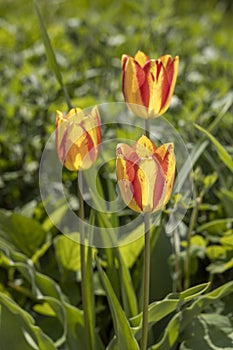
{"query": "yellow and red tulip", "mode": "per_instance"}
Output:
(148, 84)
(145, 174)
(78, 137)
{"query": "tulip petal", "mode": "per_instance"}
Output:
(141, 178)
(152, 182)
(75, 114)
(78, 138)
(166, 157)
(152, 71)
(125, 175)
(133, 81)
(168, 80)
(144, 147)
(141, 58)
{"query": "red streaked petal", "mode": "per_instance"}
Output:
(170, 71)
(125, 169)
(152, 182)
(144, 147)
(133, 77)
(165, 155)
(124, 59)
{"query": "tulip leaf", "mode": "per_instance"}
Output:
(127, 289)
(160, 309)
(223, 154)
(124, 335)
(24, 334)
(184, 317)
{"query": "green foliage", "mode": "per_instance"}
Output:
(40, 293)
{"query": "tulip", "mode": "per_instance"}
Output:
(78, 138)
(145, 174)
(148, 84)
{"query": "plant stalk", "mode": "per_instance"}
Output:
(87, 322)
(146, 282)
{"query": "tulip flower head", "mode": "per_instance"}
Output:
(148, 84)
(78, 137)
(145, 174)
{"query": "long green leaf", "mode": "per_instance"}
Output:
(223, 154)
(125, 338)
(218, 226)
(127, 289)
(48, 47)
(50, 54)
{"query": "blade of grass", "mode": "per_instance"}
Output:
(223, 154)
(50, 54)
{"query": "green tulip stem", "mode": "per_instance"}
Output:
(146, 282)
(87, 323)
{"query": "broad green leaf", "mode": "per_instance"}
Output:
(198, 240)
(130, 251)
(220, 267)
(218, 226)
(223, 154)
(44, 309)
(160, 309)
(55, 217)
(183, 318)
(68, 251)
(24, 334)
(75, 328)
(208, 331)
(227, 239)
(59, 310)
(215, 252)
(21, 232)
(47, 286)
(125, 338)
